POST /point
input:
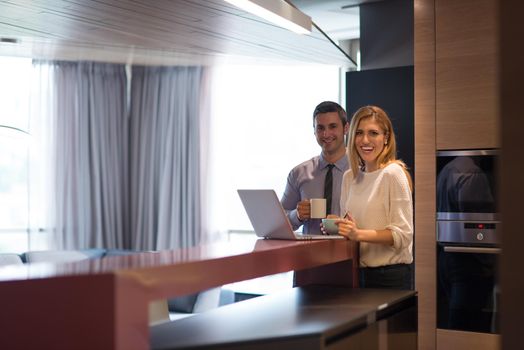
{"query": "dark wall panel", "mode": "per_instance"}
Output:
(386, 34)
(392, 89)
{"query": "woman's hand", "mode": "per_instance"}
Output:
(347, 227)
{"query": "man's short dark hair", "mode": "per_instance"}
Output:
(330, 106)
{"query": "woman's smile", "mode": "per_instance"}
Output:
(370, 140)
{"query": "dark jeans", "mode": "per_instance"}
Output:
(398, 276)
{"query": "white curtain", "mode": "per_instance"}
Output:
(85, 141)
(167, 156)
(115, 168)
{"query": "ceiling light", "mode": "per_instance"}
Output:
(278, 12)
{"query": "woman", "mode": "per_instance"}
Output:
(376, 197)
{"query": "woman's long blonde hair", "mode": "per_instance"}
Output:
(388, 154)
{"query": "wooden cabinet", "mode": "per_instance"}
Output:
(466, 74)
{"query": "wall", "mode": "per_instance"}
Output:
(391, 89)
(425, 178)
(386, 34)
(386, 76)
(512, 186)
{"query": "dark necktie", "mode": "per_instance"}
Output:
(328, 187)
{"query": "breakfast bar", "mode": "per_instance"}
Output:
(103, 303)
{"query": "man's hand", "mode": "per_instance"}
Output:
(304, 210)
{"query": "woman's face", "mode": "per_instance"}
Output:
(369, 142)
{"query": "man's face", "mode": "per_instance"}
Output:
(330, 132)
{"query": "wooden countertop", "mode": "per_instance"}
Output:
(104, 302)
(312, 316)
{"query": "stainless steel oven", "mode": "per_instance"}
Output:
(468, 241)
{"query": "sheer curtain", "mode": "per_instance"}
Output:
(167, 156)
(114, 168)
(83, 130)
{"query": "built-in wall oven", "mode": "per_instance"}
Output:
(467, 241)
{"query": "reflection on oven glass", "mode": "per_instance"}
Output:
(468, 291)
(462, 186)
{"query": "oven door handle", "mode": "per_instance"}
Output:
(482, 250)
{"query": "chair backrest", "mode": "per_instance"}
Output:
(10, 259)
(54, 256)
(195, 303)
(158, 312)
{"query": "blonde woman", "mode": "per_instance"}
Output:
(376, 197)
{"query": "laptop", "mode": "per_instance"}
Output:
(269, 218)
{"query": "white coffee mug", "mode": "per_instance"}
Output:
(318, 208)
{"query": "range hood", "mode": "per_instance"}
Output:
(160, 32)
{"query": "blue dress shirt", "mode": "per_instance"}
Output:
(306, 181)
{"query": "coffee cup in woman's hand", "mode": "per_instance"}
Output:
(330, 226)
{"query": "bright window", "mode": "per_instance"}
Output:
(14, 153)
(261, 127)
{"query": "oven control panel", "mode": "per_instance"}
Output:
(460, 232)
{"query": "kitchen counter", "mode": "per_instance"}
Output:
(103, 303)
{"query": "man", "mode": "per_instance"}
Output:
(308, 180)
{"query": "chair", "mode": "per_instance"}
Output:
(158, 312)
(10, 259)
(187, 305)
(181, 307)
(54, 256)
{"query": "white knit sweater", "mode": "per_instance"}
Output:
(381, 200)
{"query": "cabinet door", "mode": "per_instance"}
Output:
(466, 74)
